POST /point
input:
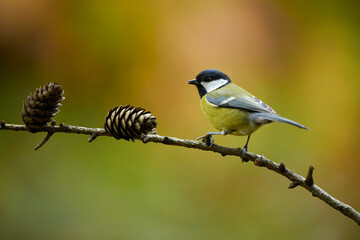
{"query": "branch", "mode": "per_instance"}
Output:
(259, 160)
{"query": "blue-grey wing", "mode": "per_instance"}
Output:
(251, 104)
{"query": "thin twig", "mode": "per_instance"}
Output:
(309, 177)
(92, 137)
(259, 160)
(48, 135)
(293, 184)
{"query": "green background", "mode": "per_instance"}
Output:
(300, 57)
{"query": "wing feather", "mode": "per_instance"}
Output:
(251, 103)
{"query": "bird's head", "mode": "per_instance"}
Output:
(209, 80)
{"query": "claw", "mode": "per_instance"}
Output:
(207, 139)
(201, 137)
(243, 153)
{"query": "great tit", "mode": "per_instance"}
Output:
(231, 109)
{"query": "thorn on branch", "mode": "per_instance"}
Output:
(309, 177)
(282, 167)
(48, 135)
(92, 137)
(294, 184)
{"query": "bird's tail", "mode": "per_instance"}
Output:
(261, 117)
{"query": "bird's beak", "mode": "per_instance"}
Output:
(193, 81)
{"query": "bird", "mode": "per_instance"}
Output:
(231, 109)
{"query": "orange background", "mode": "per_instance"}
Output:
(301, 58)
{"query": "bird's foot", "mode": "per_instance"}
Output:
(207, 139)
(243, 153)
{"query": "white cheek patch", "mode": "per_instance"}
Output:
(211, 86)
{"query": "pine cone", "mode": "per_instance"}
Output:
(129, 122)
(41, 105)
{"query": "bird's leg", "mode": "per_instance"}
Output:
(245, 148)
(247, 143)
(208, 139)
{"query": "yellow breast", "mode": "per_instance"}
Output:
(234, 121)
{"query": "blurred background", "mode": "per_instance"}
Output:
(301, 58)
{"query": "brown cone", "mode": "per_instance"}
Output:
(41, 106)
(129, 122)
